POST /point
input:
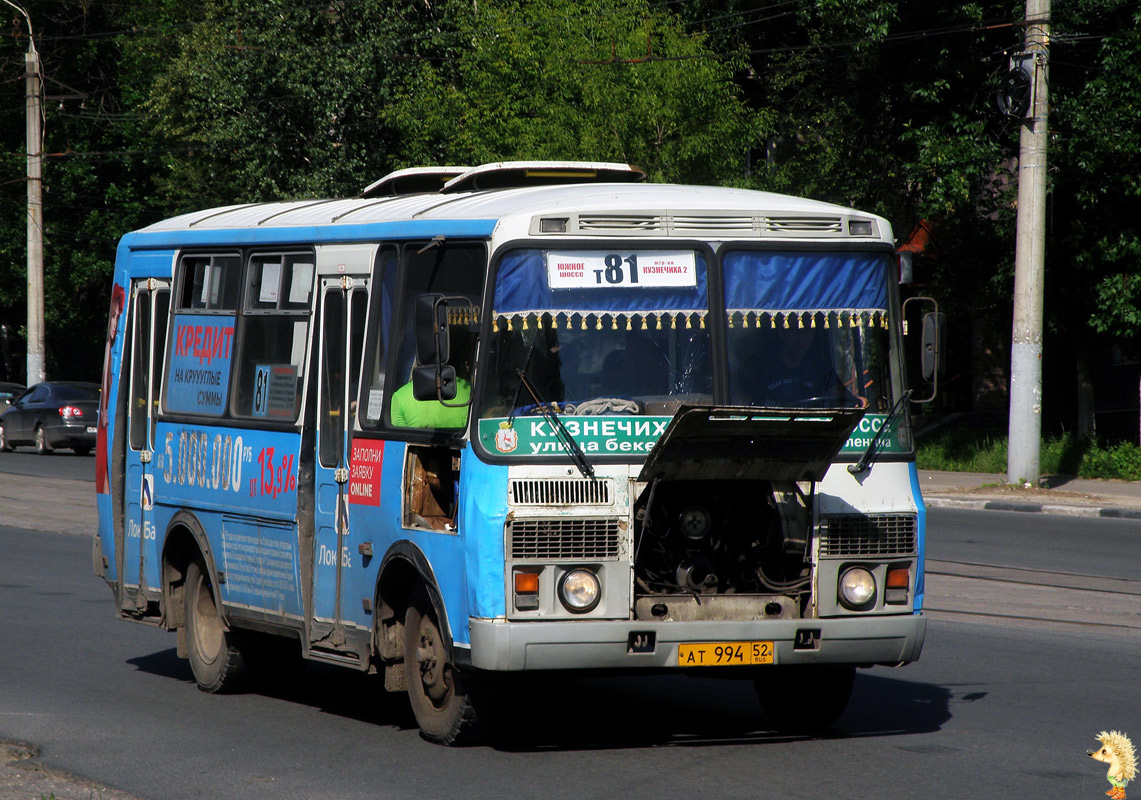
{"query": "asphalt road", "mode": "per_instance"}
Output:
(1003, 705)
(60, 464)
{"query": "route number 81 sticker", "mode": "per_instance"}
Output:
(625, 270)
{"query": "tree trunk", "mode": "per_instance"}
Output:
(1087, 419)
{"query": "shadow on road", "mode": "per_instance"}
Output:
(577, 712)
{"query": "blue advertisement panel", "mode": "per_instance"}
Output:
(242, 484)
(251, 471)
(198, 371)
(259, 559)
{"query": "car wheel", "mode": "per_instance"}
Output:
(215, 659)
(43, 446)
(5, 445)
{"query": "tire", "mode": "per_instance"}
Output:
(5, 445)
(437, 691)
(82, 449)
(805, 699)
(43, 446)
(215, 659)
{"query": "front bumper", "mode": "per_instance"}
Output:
(512, 646)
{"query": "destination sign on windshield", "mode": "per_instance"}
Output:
(622, 269)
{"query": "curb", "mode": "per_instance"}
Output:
(1039, 508)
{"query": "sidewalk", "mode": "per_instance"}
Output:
(1060, 494)
(48, 504)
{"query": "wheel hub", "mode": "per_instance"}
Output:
(431, 662)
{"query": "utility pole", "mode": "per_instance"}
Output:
(1025, 434)
(34, 110)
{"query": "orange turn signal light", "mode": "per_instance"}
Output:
(898, 578)
(526, 583)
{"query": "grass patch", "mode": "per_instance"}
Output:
(985, 451)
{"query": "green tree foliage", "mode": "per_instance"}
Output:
(1097, 241)
(161, 106)
(272, 99)
(553, 79)
(96, 179)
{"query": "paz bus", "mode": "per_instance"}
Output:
(525, 417)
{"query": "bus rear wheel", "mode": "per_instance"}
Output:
(805, 699)
(437, 691)
(215, 659)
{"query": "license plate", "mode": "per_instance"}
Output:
(725, 654)
(91, 429)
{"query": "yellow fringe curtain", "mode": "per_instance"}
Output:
(599, 320)
(855, 318)
(657, 320)
(468, 315)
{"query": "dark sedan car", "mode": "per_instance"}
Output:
(50, 415)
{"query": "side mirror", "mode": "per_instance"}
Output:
(432, 341)
(425, 386)
(934, 345)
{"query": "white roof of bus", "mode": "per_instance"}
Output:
(502, 204)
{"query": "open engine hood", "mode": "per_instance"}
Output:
(745, 443)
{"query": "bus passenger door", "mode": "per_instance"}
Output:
(344, 302)
(139, 556)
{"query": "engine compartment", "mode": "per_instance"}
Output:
(728, 549)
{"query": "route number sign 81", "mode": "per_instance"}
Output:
(621, 270)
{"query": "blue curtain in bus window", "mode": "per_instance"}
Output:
(521, 288)
(800, 281)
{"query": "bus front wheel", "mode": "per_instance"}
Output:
(437, 691)
(215, 660)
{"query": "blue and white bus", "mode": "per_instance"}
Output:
(522, 417)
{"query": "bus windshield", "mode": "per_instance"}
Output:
(807, 330)
(595, 346)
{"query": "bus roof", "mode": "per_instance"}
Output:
(588, 209)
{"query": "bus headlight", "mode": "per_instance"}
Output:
(580, 591)
(857, 588)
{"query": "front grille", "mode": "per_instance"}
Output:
(550, 539)
(868, 535)
(528, 492)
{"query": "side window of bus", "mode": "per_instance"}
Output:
(340, 369)
(452, 270)
(201, 344)
(149, 333)
(376, 353)
(272, 336)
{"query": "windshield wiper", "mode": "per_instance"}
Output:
(873, 449)
(552, 418)
(519, 386)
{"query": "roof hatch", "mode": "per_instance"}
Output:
(414, 180)
(516, 174)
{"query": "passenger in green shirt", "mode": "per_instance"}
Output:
(408, 412)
